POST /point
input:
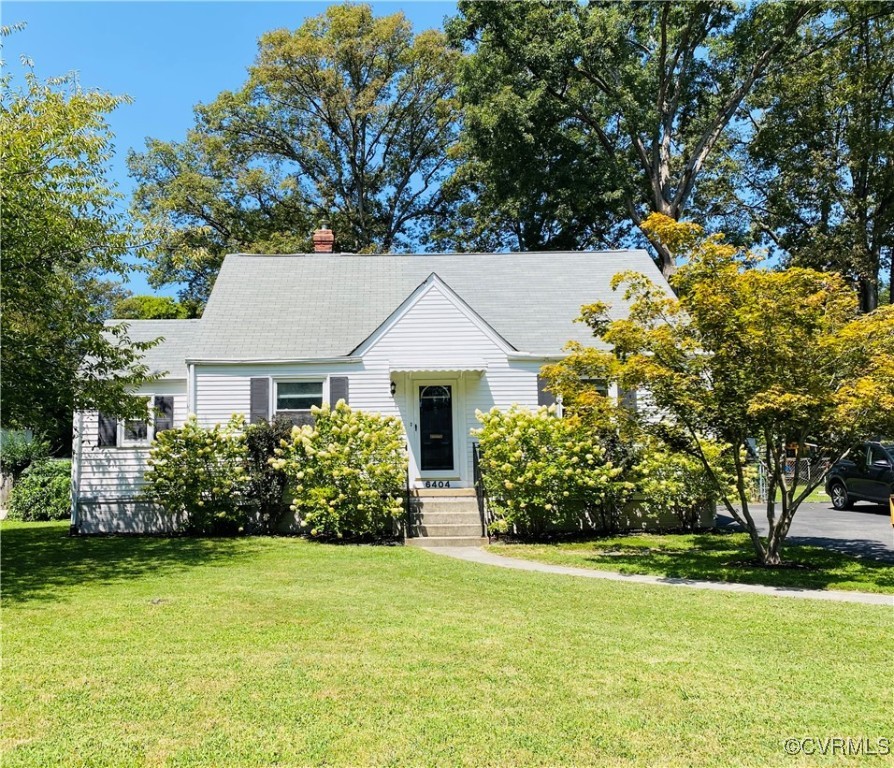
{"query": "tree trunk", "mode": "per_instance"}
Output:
(666, 262)
(773, 550)
(868, 294)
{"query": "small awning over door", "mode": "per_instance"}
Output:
(473, 366)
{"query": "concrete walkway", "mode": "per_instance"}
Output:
(483, 557)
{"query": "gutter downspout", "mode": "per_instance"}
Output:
(191, 390)
(77, 455)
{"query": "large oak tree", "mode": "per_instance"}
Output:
(642, 91)
(818, 178)
(347, 118)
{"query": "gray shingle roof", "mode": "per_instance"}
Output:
(325, 305)
(169, 356)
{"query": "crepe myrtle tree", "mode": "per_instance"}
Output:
(745, 352)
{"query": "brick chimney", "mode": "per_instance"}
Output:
(323, 239)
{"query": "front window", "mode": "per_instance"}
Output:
(298, 395)
(135, 431)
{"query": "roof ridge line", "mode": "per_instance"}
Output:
(440, 253)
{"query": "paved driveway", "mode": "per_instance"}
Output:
(864, 531)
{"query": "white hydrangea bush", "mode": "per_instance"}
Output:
(199, 473)
(542, 472)
(347, 471)
(676, 483)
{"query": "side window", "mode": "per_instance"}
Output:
(135, 431)
(858, 456)
(599, 386)
(878, 456)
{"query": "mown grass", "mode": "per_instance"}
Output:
(714, 556)
(816, 496)
(277, 651)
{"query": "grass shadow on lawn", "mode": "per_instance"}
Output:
(716, 556)
(40, 559)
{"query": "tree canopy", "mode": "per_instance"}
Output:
(779, 356)
(149, 308)
(61, 239)
(818, 179)
(641, 92)
(348, 118)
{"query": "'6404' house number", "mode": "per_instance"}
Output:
(437, 483)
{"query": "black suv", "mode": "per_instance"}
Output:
(865, 474)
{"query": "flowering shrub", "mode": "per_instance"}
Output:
(348, 471)
(200, 473)
(673, 482)
(541, 471)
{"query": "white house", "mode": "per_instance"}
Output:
(429, 338)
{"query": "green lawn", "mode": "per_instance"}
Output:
(712, 557)
(277, 651)
(817, 496)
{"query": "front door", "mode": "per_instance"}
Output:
(436, 428)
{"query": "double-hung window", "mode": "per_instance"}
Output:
(133, 432)
(298, 395)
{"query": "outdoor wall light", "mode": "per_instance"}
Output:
(393, 387)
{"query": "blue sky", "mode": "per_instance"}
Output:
(167, 56)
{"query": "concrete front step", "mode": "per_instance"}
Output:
(449, 506)
(425, 529)
(435, 493)
(449, 518)
(447, 541)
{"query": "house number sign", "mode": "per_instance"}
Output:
(437, 483)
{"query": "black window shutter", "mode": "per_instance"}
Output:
(543, 396)
(260, 399)
(628, 399)
(108, 431)
(164, 413)
(338, 389)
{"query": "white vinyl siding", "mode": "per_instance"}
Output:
(221, 394)
(222, 390)
(434, 330)
(114, 472)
